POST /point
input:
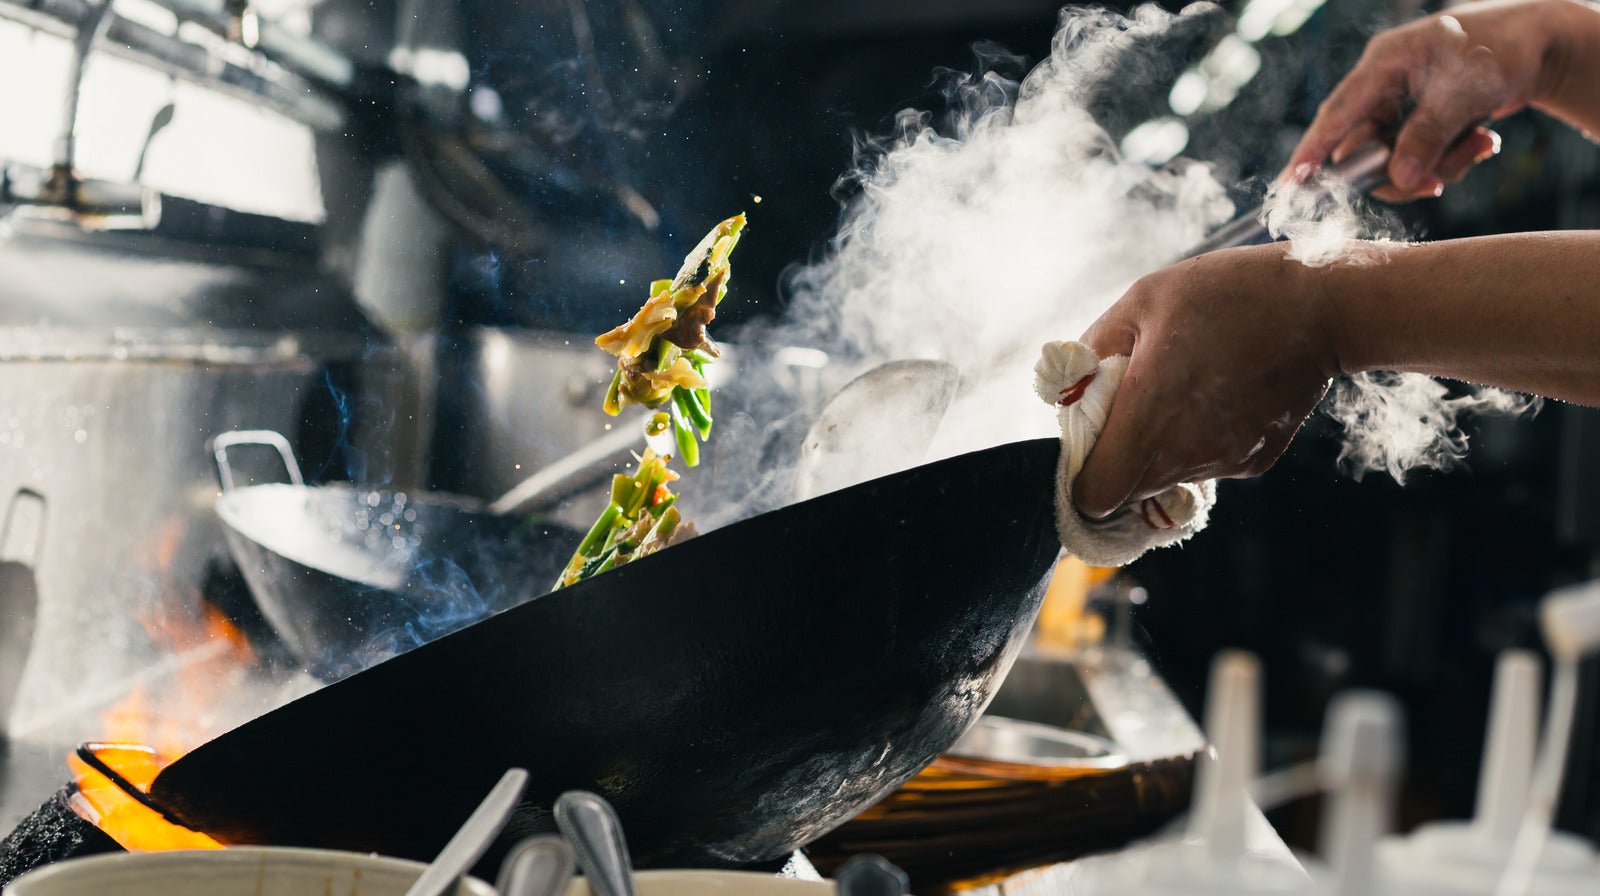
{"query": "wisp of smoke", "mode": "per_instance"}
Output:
(1398, 422)
(975, 239)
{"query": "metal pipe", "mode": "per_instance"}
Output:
(270, 84)
(304, 56)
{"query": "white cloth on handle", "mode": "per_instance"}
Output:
(1072, 377)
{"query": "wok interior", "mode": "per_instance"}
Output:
(349, 577)
(370, 537)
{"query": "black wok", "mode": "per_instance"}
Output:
(735, 696)
(349, 577)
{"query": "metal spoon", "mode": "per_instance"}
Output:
(473, 838)
(1363, 171)
(538, 866)
(868, 875)
(881, 422)
(592, 828)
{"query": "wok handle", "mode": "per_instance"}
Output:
(88, 754)
(26, 494)
(221, 442)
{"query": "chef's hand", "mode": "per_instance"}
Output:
(1454, 72)
(1229, 354)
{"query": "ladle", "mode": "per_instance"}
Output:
(592, 828)
(474, 836)
(881, 422)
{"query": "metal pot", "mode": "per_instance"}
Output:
(121, 356)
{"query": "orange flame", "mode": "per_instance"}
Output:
(211, 649)
(134, 826)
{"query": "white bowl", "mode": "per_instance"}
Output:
(714, 883)
(236, 871)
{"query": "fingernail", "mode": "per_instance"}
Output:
(1494, 146)
(1408, 173)
(1299, 174)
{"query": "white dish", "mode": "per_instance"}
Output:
(236, 871)
(713, 883)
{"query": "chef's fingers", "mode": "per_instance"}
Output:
(1479, 144)
(1358, 137)
(1272, 448)
(1365, 99)
(1453, 102)
(1110, 335)
(1120, 456)
(1108, 479)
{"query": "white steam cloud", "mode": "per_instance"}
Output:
(1393, 422)
(1016, 221)
(1398, 422)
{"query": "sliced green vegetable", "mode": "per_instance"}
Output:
(612, 403)
(602, 526)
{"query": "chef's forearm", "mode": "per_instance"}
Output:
(1570, 69)
(1520, 311)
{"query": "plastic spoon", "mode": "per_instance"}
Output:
(473, 837)
(592, 828)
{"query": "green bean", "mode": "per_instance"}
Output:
(699, 407)
(688, 448)
(640, 496)
(666, 355)
(612, 403)
(621, 489)
(665, 526)
(602, 527)
(662, 507)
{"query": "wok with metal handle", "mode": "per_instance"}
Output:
(734, 697)
(349, 577)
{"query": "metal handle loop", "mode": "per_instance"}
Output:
(264, 437)
(11, 512)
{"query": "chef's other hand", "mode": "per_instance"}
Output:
(1229, 354)
(1439, 79)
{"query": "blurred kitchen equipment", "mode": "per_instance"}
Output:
(871, 876)
(589, 823)
(1362, 171)
(579, 470)
(19, 599)
(349, 577)
(473, 838)
(122, 354)
(497, 429)
(999, 740)
(880, 422)
(538, 866)
(733, 697)
(247, 871)
(724, 883)
(992, 804)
